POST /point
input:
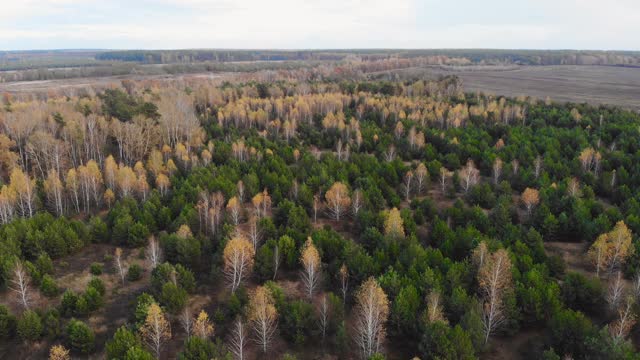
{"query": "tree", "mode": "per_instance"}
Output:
(621, 327)
(202, 327)
(310, 259)
(371, 312)
(59, 352)
(344, 281)
(119, 264)
(407, 184)
(323, 315)
(255, 232)
(530, 198)
(238, 261)
(234, 208)
(81, 337)
(616, 291)
(494, 279)
(393, 224)
(238, 339)
(444, 175)
(263, 316)
(122, 341)
(29, 326)
(54, 189)
(186, 320)
(338, 200)
(356, 203)
(434, 307)
(497, 171)
(156, 330)
(24, 188)
(421, 178)
(153, 253)
(20, 284)
(610, 250)
(469, 176)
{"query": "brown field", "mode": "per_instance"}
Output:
(569, 83)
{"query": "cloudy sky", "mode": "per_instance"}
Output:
(164, 24)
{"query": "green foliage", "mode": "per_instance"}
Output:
(7, 323)
(123, 340)
(582, 293)
(80, 337)
(196, 348)
(440, 341)
(134, 273)
(96, 268)
(48, 286)
(137, 353)
(173, 298)
(29, 327)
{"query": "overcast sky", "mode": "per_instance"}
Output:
(166, 24)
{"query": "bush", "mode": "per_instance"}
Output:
(7, 323)
(134, 273)
(48, 286)
(173, 298)
(80, 336)
(582, 293)
(123, 340)
(97, 284)
(196, 348)
(138, 353)
(96, 268)
(68, 303)
(30, 326)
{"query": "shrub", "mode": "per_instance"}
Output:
(96, 268)
(68, 303)
(138, 353)
(80, 336)
(7, 323)
(134, 273)
(48, 286)
(123, 340)
(173, 297)
(30, 326)
(196, 348)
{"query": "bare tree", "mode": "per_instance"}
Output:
(20, 284)
(344, 281)
(153, 252)
(323, 315)
(620, 328)
(356, 202)
(616, 291)
(255, 233)
(238, 339)
(494, 278)
(186, 320)
(119, 264)
(276, 261)
(407, 184)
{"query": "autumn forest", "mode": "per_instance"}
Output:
(310, 212)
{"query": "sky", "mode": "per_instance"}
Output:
(319, 24)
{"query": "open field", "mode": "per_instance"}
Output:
(593, 84)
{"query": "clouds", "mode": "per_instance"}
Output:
(319, 24)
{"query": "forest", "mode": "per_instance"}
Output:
(312, 214)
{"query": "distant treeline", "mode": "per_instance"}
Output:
(476, 56)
